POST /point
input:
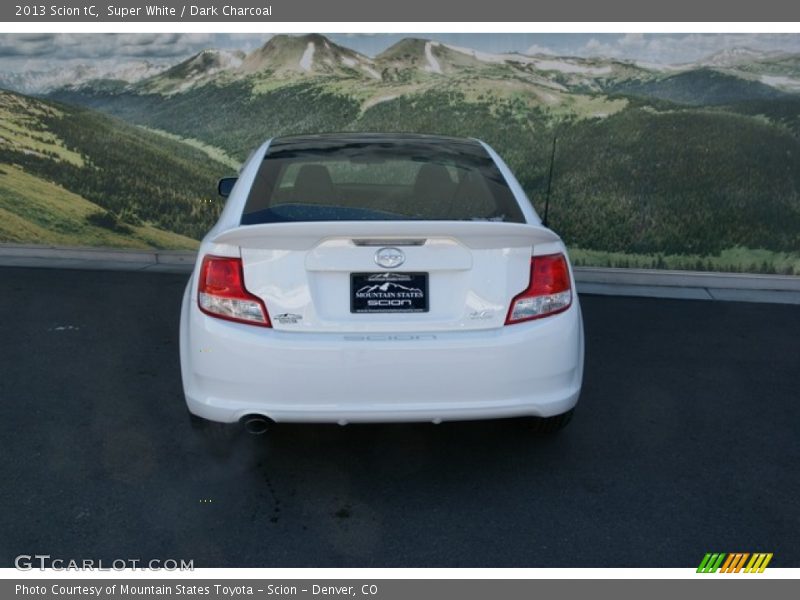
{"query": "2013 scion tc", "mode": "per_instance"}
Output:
(376, 278)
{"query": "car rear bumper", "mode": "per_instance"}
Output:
(231, 370)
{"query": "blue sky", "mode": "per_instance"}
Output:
(41, 51)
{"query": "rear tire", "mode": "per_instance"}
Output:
(550, 425)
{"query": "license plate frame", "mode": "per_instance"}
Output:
(389, 292)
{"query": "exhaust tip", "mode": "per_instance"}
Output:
(256, 424)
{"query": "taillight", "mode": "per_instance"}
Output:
(549, 290)
(221, 292)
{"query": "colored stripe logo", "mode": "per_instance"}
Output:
(736, 562)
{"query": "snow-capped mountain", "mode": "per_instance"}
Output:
(195, 70)
(415, 57)
(732, 57)
(313, 54)
(388, 286)
(206, 63)
(425, 62)
(425, 56)
(41, 82)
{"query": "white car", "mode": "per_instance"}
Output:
(379, 278)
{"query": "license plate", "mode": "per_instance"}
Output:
(388, 292)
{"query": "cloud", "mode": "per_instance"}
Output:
(118, 46)
(595, 47)
(70, 45)
(683, 48)
(11, 45)
(35, 37)
(632, 40)
(43, 52)
(537, 49)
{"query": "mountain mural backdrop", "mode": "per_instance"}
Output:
(693, 166)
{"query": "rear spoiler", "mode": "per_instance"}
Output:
(307, 235)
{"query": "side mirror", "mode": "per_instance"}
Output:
(225, 186)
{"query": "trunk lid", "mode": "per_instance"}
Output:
(304, 272)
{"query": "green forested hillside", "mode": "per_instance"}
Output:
(229, 116)
(642, 180)
(783, 112)
(134, 178)
(692, 182)
(36, 211)
(701, 87)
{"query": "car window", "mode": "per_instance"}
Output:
(379, 180)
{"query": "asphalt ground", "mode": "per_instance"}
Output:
(686, 440)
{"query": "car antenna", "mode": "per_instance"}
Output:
(549, 182)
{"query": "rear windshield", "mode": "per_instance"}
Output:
(379, 180)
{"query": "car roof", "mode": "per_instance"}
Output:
(332, 140)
